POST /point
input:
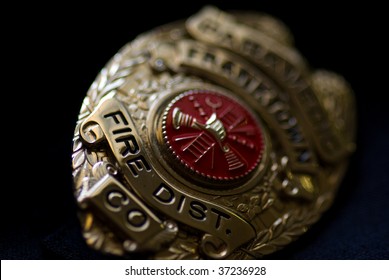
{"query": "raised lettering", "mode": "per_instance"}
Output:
(198, 211)
(116, 120)
(132, 147)
(137, 220)
(138, 164)
(220, 216)
(164, 194)
(116, 200)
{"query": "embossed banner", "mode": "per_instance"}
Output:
(285, 64)
(123, 209)
(120, 132)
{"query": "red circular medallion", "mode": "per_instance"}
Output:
(213, 135)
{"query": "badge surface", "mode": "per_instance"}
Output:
(209, 139)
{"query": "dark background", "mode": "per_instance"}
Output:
(56, 54)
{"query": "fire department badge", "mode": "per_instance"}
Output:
(210, 138)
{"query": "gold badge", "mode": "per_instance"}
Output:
(209, 139)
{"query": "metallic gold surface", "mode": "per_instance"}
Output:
(210, 138)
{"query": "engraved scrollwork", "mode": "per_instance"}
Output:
(110, 78)
(284, 230)
(89, 165)
(255, 204)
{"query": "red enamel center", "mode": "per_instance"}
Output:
(213, 135)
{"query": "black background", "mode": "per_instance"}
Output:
(57, 51)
